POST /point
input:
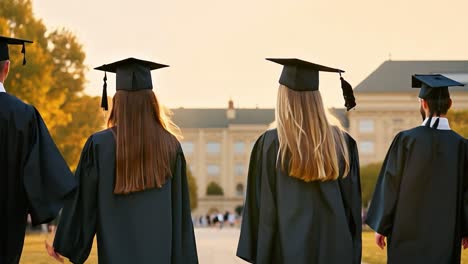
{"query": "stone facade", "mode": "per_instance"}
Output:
(217, 149)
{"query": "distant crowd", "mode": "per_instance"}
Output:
(217, 219)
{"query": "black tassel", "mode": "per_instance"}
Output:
(23, 50)
(436, 123)
(429, 120)
(104, 103)
(348, 94)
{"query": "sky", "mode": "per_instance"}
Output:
(217, 48)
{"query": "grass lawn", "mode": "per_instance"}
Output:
(34, 251)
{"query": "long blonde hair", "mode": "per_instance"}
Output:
(309, 146)
(145, 141)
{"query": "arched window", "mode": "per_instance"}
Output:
(240, 189)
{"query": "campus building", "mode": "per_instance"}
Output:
(386, 103)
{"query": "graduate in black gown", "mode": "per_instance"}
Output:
(420, 203)
(34, 177)
(303, 200)
(133, 193)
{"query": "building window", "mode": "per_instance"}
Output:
(366, 126)
(187, 147)
(240, 189)
(213, 169)
(213, 148)
(366, 147)
(397, 121)
(239, 169)
(239, 147)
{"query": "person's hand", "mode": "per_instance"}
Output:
(51, 251)
(380, 240)
(465, 242)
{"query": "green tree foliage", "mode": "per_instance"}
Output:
(239, 209)
(459, 121)
(214, 189)
(193, 190)
(369, 174)
(53, 79)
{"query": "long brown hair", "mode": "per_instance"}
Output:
(145, 141)
(309, 146)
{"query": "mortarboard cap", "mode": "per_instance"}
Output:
(300, 75)
(131, 75)
(428, 82)
(4, 50)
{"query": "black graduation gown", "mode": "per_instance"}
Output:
(34, 177)
(153, 226)
(286, 220)
(421, 201)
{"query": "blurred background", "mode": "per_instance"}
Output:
(221, 90)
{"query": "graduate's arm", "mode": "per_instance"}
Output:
(47, 178)
(184, 249)
(77, 225)
(247, 245)
(383, 205)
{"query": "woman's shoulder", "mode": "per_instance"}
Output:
(102, 137)
(269, 136)
(267, 139)
(349, 138)
(104, 133)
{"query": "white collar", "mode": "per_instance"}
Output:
(2, 88)
(443, 123)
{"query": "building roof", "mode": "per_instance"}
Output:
(395, 76)
(217, 117)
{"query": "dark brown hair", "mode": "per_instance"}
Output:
(145, 145)
(438, 105)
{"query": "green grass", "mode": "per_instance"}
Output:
(34, 251)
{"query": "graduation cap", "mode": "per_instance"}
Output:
(4, 50)
(433, 86)
(432, 82)
(301, 76)
(131, 75)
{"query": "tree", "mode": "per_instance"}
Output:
(32, 83)
(193, 190)
(369, 175)
(239, 209)
(459, 121)
(87, 118)
(53, 79)
(214, 189)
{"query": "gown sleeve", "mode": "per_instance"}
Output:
(256, 241)
(382, 208)
(351, 192)
(77, 225)
(465, 192)
(47, 178)
(184, 249)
